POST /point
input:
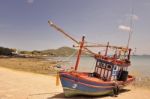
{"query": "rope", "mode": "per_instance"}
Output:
(67, 60)
(73, 54)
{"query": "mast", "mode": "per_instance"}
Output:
(131, 24)
(129, 54)
(79, 53)
(106, 49)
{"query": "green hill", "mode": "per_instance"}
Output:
(63, 51)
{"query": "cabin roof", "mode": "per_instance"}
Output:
(111, 61)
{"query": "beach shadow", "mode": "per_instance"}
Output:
(124, 91)
(41, 94)
(61, 95)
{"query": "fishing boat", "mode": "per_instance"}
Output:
(109, 76)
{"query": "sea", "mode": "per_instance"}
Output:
(139, 63)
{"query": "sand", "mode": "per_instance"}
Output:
(23, 85)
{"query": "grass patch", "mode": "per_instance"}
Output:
(35, 65)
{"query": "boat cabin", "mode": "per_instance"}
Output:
(109, 71)
(110, 68)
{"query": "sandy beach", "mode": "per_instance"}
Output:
(23, 85)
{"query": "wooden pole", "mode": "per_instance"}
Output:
(129, 54)
(57, 79)
(67, 35)
(79, 54)
(106, 49)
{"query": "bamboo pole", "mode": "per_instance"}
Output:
(79, 54)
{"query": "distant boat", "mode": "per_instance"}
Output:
(110, 74)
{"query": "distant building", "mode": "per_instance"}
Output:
(15, 52)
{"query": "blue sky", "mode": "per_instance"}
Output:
(23, 23)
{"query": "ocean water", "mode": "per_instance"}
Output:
(138, 63)
(141, 64)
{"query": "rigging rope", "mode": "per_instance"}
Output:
(66, 60)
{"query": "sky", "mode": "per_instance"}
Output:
(24, 23)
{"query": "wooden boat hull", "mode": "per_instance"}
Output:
(72, 92)
(74, 83)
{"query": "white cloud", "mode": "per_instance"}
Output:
(133, 16)
(30, 1)
(124, 28)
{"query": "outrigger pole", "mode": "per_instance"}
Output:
(79, 43)
(102, 45)
(62, 31)
(66, 34)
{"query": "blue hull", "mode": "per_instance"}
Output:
(73, 85)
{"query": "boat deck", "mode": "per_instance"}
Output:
(88, 77)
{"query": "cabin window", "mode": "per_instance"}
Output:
(103, 65)
(99, 64)
(125, 68)
(115, 67)
(109, 67)
(103, 70)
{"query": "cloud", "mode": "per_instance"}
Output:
(124, 28)
(133, 16)
(129, 17)
(30, 1)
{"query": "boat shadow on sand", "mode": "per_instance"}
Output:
(61, 95)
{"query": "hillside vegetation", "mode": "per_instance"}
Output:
(63, 51)
(6, 51)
